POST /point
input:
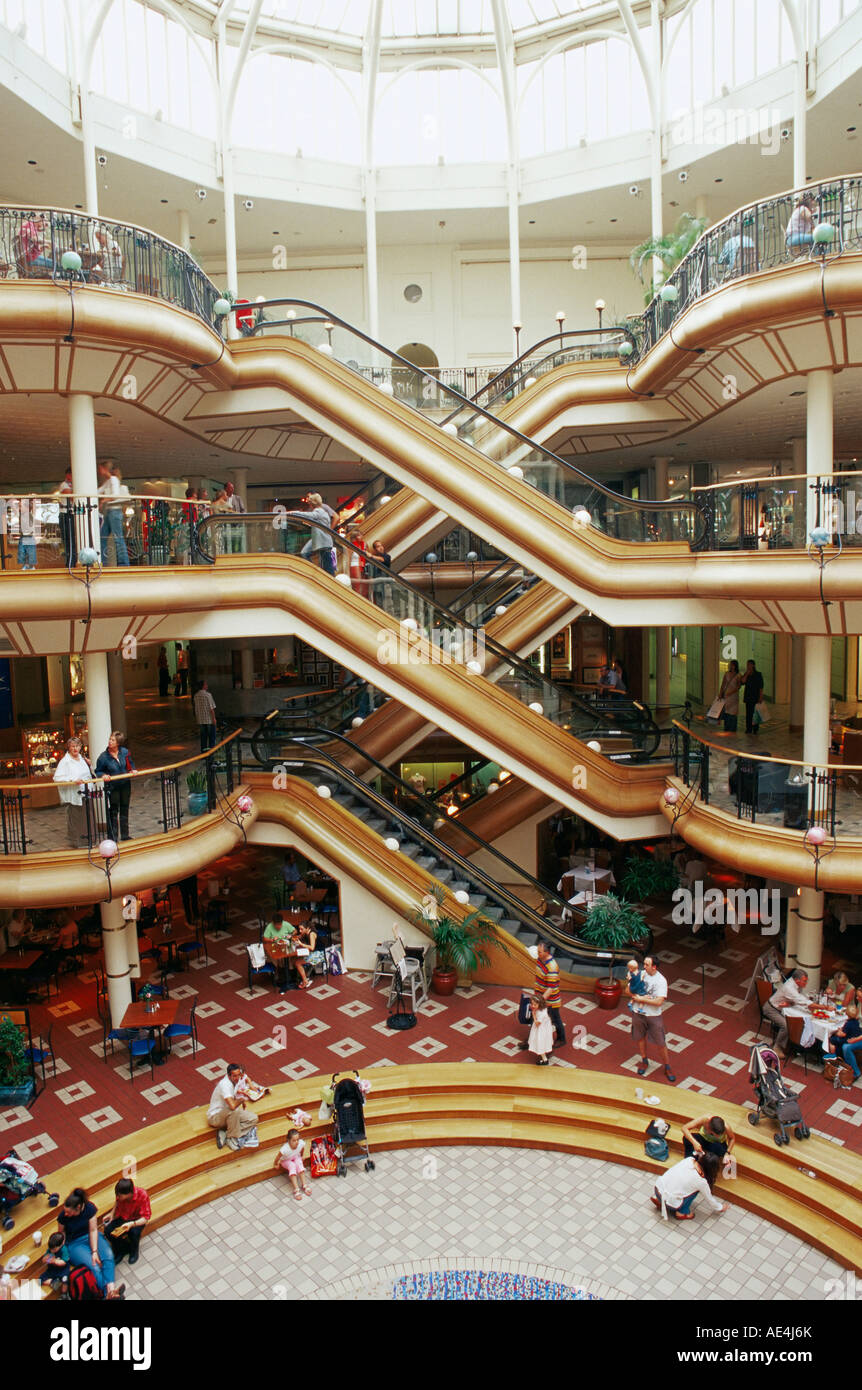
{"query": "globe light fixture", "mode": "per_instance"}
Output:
(244, 805)
(594, 746)
(670, 796)
(71, 262)
(824, 233)
(461, 897)
(515, 471)
(108, 849)
(581, 517)
(820, 537)
(391, 843)
(536, 707)
(324, 793)
(221, 307)
(357, 722)
(87, 557)
(343, 579)
(669, 294)
(626, 348)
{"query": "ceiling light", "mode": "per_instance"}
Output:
(31, 161)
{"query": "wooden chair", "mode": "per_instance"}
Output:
(795, 1029)
(765, 991)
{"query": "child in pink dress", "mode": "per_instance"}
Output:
(289, 1158)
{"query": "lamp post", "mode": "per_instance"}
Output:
(561, 318)
(516, 329)
(600, 309)
(431, 560)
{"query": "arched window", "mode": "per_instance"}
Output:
(289, 104)
(591, 92)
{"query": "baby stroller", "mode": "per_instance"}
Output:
(774, 1098)
(348, 1121)
(17, 1181)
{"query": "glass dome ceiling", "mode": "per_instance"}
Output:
(408, 18)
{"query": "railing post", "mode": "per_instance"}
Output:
(686, 755)
(211, 782)
(704, 773)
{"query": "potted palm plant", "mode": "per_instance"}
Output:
(670, 249)
(196, 781)
(459, 943)
(613, 925)
(17, 1086)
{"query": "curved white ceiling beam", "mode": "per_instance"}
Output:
(564, 46)
(506, 63)
(245, 44)
(441, 62)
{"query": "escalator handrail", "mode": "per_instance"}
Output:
(633, 503)
(469, 871)
(501, 653)
(524, 357)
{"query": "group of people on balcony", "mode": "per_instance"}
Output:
(73, 773)
(750, 682)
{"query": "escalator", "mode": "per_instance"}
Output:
(516, 902)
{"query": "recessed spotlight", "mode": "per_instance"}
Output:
(719, 180)
(851, 130)
(164, 200)
(797, 393)
(613, 219)
(532, 221)
(79, 207)
(31, 161)
(275, 234)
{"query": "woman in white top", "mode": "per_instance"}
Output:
(678, 1188)
(74, 770)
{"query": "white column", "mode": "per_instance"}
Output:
(183, 229)
(514, 250)
(117, 690)
(662, 634)
(818, 434)
(247, 658)
(98, 702)
(815, 753)
(800, 116)
(791, 944)
(230, 252)
(372, 289)
(82, 456)
(116, 959)
(88, 152)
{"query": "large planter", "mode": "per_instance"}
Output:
(197, 803)
(444, 981)
(607, 993)
(17, 1095)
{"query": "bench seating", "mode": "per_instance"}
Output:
(458, 1103)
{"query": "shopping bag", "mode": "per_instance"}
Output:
(716, 709)
(761, 713)
(525, 1013)
(324, 1162)
(257, 955)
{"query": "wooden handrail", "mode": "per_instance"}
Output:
(125, 776)
(764, 758)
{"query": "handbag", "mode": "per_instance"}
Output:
(324, 1162)
(761, 713)
(716, 709)
(839, 1073)
(525, 1013)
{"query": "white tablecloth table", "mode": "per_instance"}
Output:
(815, 1029)
(850, 917)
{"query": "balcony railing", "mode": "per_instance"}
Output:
(153, 801)
(780, 513)
(768, 790)
(755, 238)
(114, 256)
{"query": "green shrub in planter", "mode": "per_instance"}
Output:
(647, 877)
(16, 1074)
(613, 925)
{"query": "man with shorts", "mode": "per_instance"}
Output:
(646, 1017)
(547, 984)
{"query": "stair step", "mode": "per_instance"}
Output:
(377, 825)
(428, 863)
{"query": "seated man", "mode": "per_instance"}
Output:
(788, 995)
(229, 1113)
(125, 1225)
(69, 939)
(279, 930)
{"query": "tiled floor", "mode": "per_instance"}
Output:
(341, 1022)
(471, 1208)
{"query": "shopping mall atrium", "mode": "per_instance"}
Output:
(431, 458)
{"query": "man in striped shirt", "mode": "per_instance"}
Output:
(547, 984)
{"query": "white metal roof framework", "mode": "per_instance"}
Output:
(378, 42)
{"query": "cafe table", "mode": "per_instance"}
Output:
(19, 960)
(169, 941)
(816, 1029)
(164, 1013)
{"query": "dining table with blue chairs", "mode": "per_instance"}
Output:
(151, 1016)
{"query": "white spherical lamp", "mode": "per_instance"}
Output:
(221, 307)
(108, 849)
(391, 843)
(515, 471)
(594, 746)
(670, 796)
(71, 261)
(343, 579)
(475, 667)
(324, 793)
(357, 722)
(244, 805)
(461, 897)
(536, 707)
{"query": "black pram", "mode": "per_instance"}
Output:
(774, 1098)
(348, 1131)
(17, 1181)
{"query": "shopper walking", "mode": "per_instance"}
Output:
(164, 672)
(113, 492)
(183, 668)
(646, 1017)
(205, 714)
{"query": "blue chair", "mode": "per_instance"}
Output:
(184, 1030)
(254, 971)
(41, 1049)
(188, 948)
(141, 1047)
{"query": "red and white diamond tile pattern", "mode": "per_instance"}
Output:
(340, 1023)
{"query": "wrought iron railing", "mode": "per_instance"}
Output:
(779, 513)
(126, 807)
(768, 790)
(113, 255)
